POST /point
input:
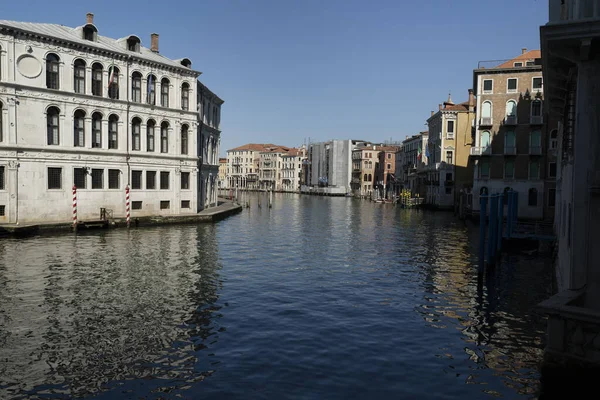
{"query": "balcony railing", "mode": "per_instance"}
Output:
(573, 10)
(481, 151)
(535, 150)
(486, 121)
(536, 120)
(510, 120)
(510, 150)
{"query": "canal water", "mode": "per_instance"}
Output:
(314, 298)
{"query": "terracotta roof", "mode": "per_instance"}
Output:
(293, 152)
(255, 147)
(388, 148)
(528, 56)
(222, 160)
(275, 149)
(457, 107)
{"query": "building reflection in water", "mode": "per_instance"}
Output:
(88, 316)
(493, 312)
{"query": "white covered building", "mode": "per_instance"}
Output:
(80, 109)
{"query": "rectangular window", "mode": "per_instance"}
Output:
(534, 170)
(114, 175)
(164, 180)
(136, 90)
(537, 84)
(518, 64)
(113, 126)
(511, 85)
(79, 178)
(488, 86)
(96, 133)
(484, 169)
(136, 205)
(551, 197)
(185, 180)
(79, 84)
(54, 178)
(552, 170)
(509, 169)
(389, 166)
(448, 157)
(530, 63)
(2, 178)
(448, 190)
(165, 204)
(450, 129)
(97, 178)
(150, 179)
(136, 179)
(2, 210)
(185, 204)
(448, 176)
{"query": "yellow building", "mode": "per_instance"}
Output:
(450, 140)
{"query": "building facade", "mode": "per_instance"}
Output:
(364, 161)
(330, 166)
(209, 143)
(415, 160)
(510, 132)
(385, 171)
(570, 43)
(99, 114)
(271, 166)
(450, 139)
(291, 170)
(223, 184)
(243, 165)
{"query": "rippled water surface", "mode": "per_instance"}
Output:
(314, 298)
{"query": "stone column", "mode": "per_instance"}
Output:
(12, 183)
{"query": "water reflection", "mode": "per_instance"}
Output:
(110, 308)
(313, 298)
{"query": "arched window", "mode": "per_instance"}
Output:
(532, 197)
(485, 140)
(483, 191)
(486, 109)
(164, 137)
(185, 96)
(97, 72)
(151, 97)
(113, 82)
(136, 131)
(365, 178)
(79, 76)
(136, 87)
(150, 127)
(52, 71)
(511, 108)
(52, 118)
(164, 92)
(536, 108)
(184, 139)
(79, 128)
(96, 130)
(113, 132)
(370, 178)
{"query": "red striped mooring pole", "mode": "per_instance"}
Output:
(127, 204)
(74, 207)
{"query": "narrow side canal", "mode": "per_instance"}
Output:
(314, 298)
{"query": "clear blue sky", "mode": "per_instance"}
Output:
(290, 70)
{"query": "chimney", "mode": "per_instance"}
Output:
(89, 17)
(524, 50)
(154, 42)
(432, 113)
(440, 106)
(471, 101)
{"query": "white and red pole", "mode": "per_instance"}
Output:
(74, 207)
(127, 212)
